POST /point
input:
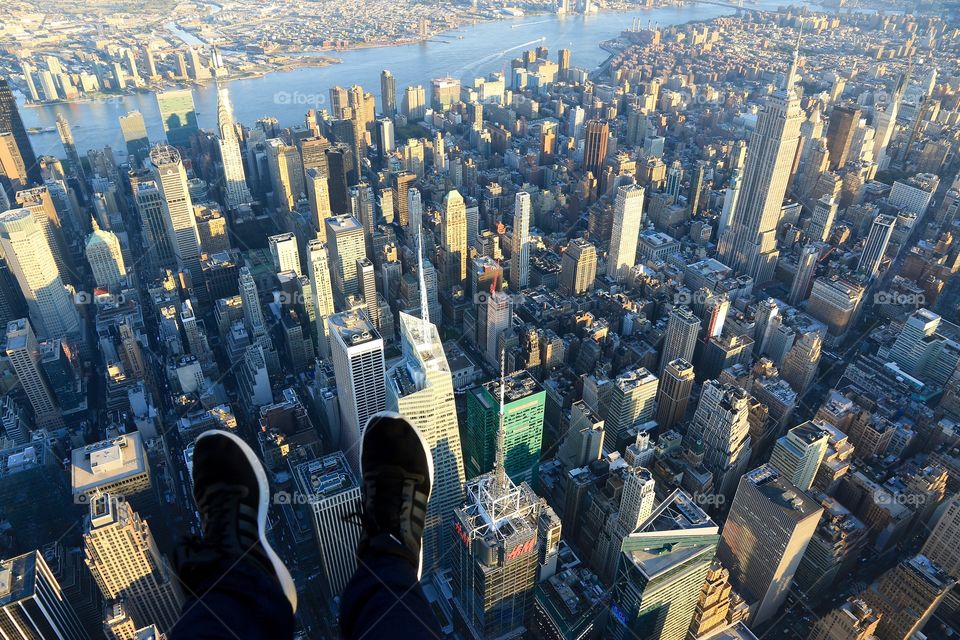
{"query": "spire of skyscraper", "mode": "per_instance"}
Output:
(424, 302)
(792, 70)
(235, 189)
(499, 465)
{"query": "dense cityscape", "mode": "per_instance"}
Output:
(681, 331)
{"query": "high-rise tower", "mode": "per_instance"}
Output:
(33, 606)
(773, 145)
(124, 559)
(420, 387)
(767, 530)
(10, 121)
(31, 261)
(181, 224)
(680, 339)
(453, 238)
(627, 220)
(500, 534)
(235, 190)
(359, 367)
(520, 251)
(661, 572)
(876, 246)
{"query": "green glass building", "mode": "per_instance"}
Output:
(523, 406)
(662, 568)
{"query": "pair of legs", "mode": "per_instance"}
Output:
(238, 588)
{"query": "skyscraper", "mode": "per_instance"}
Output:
(388, 94)
(158, 251)
(876, 246)
(943, 545)
(835, 301)
(802, 279)
(358, 364)
(631, 404)
(680, 339)
(181, 224)
(69, 146)
(402, 183)
(720, 426)
(627, 220)
(673, 393)
(235, 190)
(768, 528)
(31, 261)
(844, 119)
(853, 620)
(178, 115)
(368, 290)
(523, 411)
(11, 122)
(500, 533)
(40, 204)
(520, 250)
(595, 146)
(103, 252)
(661, 572)
(318, 195)
(420, 387)
(33, 606)
(798, 454)
(578, 267)
(23, 353)
(322, 290)
(286, 254)
(453, 238)
(122, 555)
(773, 145)
(332, 491)
(346, 245)
(822, 221)
(906, 596)
(499, 316)
(799, 368)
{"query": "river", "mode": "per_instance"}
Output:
(464, 53)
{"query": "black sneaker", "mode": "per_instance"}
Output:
(232, 494)
(397, 471)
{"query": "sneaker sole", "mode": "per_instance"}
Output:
(426, 450)
(283, 574)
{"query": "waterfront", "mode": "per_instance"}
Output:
(466, 52)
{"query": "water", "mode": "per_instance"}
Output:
(465, 53)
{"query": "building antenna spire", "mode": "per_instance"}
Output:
(500, 472)
(792, 71)
(424, 304)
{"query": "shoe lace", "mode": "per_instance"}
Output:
(393, 500)
(220, 505)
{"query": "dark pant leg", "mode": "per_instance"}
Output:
(238, 601)
(384, 601)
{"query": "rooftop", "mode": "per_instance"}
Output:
(326, 476)
(781, 492)
(353, 328)
(108, 461)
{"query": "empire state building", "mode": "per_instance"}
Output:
(750, 245)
